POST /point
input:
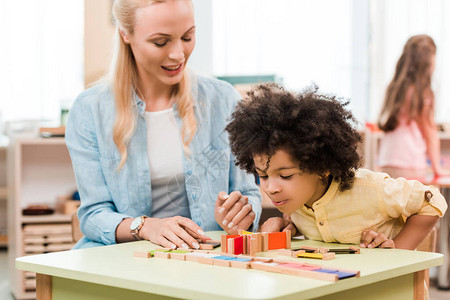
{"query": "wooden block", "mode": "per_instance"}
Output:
(338, 269)
(194, 256)
(263, 259)
(350, 250)
(207, 258)
(288, 239)
(329, 256)
(240, 264)
(202, 251)
(178, 256)
(310, 255)
(306, 249)
(253, 246)
(209, 245)
(356, 249)
(230, 246)
(221, 261)
(323, 250)
(285, 252)
(245, 239)
(259, 242)
(277, 240)
(143, 254)
(223, 242)
(161, 254)
(265, 241)
(239, 245)
(264, 266)
(243, 232)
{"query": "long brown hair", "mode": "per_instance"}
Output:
(123, 75)
(412, 71)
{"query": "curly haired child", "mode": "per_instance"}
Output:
(303, 146)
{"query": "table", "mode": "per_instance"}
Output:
(444, 185)
(111, 272)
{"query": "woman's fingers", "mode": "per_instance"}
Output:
(239, 215)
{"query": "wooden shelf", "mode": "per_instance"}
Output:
(53, 218)
(41, 141)
(39, 170)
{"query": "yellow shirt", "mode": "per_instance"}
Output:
(376, 201)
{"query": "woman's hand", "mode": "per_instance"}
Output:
(279, 224)
(373, 239)
(174, 232)
(233, 212)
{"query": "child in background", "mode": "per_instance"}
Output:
(407, 114)
(304, 149)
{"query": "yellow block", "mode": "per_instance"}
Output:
(310, 255)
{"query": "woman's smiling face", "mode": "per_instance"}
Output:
(163, 40)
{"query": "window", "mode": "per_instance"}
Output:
(41, 57)
(348, 47)
(300, 41)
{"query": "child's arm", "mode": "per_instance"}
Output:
(415, 230)
(279, 224)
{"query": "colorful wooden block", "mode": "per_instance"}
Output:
(326, 256)
(350, 250)
(283, 266)
(209, 246)
(276, 240)
(306, 249)
(223, 241)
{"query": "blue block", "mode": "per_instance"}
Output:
(326, 271)
(240, 259)
(224, 257)
(342, 275)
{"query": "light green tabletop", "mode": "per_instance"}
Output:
(115, 266)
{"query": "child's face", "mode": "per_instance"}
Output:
(287, 186)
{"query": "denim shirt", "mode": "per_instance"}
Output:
(108, 196)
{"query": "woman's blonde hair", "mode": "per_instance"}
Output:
(412, 70)
(123, 76)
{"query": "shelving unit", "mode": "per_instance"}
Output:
(39, 170)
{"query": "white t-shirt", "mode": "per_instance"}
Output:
(165, 152)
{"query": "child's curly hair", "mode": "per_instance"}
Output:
(315, 130)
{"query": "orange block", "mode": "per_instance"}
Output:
(277, 240)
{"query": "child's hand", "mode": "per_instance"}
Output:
(279, 224)
(372, 239)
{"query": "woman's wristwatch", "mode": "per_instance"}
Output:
(136, 225)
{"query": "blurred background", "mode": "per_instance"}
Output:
(51, 50)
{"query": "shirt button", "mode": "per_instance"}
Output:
(189, 172)
(321, 223)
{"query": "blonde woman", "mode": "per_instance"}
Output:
(407, 115)
(151, 158)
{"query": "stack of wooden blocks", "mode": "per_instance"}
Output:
(249, 243)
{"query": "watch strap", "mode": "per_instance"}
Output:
(135, 232)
